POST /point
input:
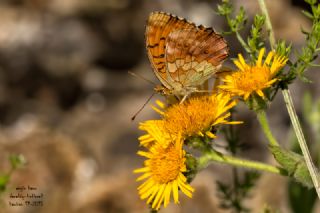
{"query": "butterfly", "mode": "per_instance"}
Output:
(183, 55)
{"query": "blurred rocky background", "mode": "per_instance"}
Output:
(66, 100)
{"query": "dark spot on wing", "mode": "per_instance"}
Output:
(153, 46)
(159, 56)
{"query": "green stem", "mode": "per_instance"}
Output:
(212, 156)
(242, 42)
(261, 114)
(292, 113)
(264, 10)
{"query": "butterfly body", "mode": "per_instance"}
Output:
(183, 55)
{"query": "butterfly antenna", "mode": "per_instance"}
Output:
(141, 77)
(135, 115)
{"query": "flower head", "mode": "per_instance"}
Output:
(253, 79)
(197, 115)
(156, 133)
(164, 173)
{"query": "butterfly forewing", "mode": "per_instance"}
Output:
(159, 26)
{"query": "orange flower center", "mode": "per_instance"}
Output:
(251, 79)
(191, 117)
(166, 164)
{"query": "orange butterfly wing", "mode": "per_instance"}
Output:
(182, 54)
(159, 26)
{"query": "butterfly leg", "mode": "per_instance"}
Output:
(184, 98)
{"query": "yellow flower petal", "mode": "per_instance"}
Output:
(260, 93)
(261, 54)
(269, 57)
(160, 104)
(157, 110)
(167, 194)
(210, 134)
(238, 64)
(144, 169)
(242, 61)
(175, 191)
(156, 203)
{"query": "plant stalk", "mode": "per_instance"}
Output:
(264, 10)
(213, 156)
(302, 141)
(291, 110)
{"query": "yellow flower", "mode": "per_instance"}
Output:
(156, 133)
(253, 79)
(164, 173)
(197, 115)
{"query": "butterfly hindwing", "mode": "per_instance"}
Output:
(193, 55)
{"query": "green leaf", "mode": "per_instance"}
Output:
(308, 14)
(282, 49)
(302, 174)
(285, 158)
(294, 164)
(224, 9)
